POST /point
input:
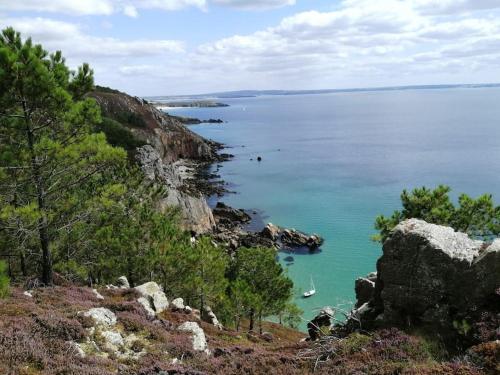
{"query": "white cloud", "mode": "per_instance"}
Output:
(86, 7)
(359, 43)
(131, 11)
(76, 44)
(254, 4)
(130, 7)
(97, 7)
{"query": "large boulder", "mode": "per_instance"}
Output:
(152, 298)
(431, 275)
(198, 336)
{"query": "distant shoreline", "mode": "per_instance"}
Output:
(255, 93)
(187, 104)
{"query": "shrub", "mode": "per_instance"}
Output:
(118, 135)
(4, 280)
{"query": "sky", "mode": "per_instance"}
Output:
(167, 47)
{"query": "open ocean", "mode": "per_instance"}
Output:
(332, 162)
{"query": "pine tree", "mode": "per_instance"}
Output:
(50, 162)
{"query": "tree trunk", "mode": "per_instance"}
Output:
(252, 313)
(260, 322)
(23, 263)
(43, 231)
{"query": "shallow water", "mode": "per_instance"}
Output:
(332, 162)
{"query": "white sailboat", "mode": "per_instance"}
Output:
(310, 292)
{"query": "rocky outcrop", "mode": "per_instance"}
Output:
(152, 298)
(228, 214)
(170, 157)
(294, 238)
(323, 319)
(230, 232)
(430, 275)
(209, 316)
(365, 288)
(178, 304)
(166, 134)
(196, 215)
(198, 336)
(122, 282)
(271, 232)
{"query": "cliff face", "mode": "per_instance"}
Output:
(166, 134)
(196, 215)
(432, 276)
(170, 147)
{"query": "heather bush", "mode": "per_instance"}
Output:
(487, 356)
(51, 325)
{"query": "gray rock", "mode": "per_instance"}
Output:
(178, 304)
(153, 299)
(209, 317)
(195, 212)
(432, 275)
(365, 289)
(147, 304)
(294, 238)
(97, 294)
(198, 336)
(101, 316)
(222, 210)
(122, 282)
(160, 301)
(271, 232)
(112, 340)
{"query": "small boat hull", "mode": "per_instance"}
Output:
(309, 294)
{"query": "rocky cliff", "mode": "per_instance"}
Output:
(431, 276)
(169, 155)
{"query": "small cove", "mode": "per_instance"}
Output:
(332, 162)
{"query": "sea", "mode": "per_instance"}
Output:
(332, 162)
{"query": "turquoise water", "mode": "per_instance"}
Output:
(333, 162)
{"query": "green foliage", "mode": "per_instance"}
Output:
(129, 118)
(70, 202)
(4, 280)
(118, 135)
(462, 326)
(478, 217)
(50, 160)
(292, 315)
(269, 286)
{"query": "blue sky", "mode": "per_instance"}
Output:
(156, 47)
